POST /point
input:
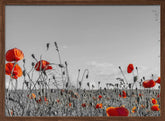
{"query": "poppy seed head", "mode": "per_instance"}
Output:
(33, 56)
(88, 84)
(54, 77)
(24, 73)
(33, 64)
(24, 60)
(60, 65)
(87, 76)
(66, 63)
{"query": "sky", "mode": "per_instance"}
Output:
(98, 38)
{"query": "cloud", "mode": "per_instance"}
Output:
(107, 72)
(64, 46)
(100, 68)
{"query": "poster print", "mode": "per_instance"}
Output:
(82, 61)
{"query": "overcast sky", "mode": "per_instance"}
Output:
(99, 38)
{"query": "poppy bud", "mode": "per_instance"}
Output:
(80, 84)
(24, 73)
(136, 88)
(136, 68)
(98, 82)
(24, 60)
(66, 84)
(63, 72)
(66, 63)
(94, 86)
(87, 76)
(33, 56)
(88, 84)
(60, 65)
(54, 77)
(143, 78)
(33, 64)
(129, 85)
(119, 67)
(56, 46)
(47, 45)
(79, 70)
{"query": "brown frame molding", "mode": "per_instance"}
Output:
(3, 3)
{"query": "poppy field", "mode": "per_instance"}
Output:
(49, 92)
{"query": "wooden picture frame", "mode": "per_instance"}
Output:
(3, 3)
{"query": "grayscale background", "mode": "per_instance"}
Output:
(99, 38)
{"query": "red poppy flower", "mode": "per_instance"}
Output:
(149, 83)
(39, 101)
(142, 106)
(16, 72)
(42, 65)
(158, 95)
(122, 111)
(14, 55)
(70, 104)
(45, 99)
(99, 96)
(83, 105)
(99, 106)
(155, 107)
(130, 68)
(111, 111)
(154, 101)
(158, 80)
(124, 94)
(134, 109)
(117, 111)
(11, 113)
(140, 95)
(31, 96)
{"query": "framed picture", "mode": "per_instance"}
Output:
(82, 60)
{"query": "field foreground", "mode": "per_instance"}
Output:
(77, 102)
